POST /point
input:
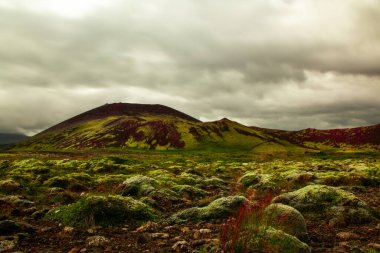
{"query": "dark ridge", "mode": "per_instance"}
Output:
(11, 138)
(120, 109)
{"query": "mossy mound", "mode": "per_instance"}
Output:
(16, 200)
(139, 186)
(262, 182)
(68, 182)
(264, 239)
(299, 177)
(9, 186)
(327, 201)
(249, 179)
(287, 219)
(213, 183)
(150, 191)
(189, 191)
(188, 178)
(12, 204)
(101, 210)
(273, 240)
(219, 208)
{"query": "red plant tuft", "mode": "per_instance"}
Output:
(238, 229)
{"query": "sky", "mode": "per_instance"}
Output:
(285, 64)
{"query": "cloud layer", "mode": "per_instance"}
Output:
(286, 64)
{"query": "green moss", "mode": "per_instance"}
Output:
(264, 239)
(299, 177)
(249, 179)
(287, 219)
(110, 180)
(278, 241)
(139, 186)
(316, 196)
(151, 190)
(16, 200)
(326, 201)
(189, 191)
(213, 183)
(8, 186)
(101, 210)
(219, 208)
(187, 178)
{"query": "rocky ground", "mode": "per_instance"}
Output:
(188, 204)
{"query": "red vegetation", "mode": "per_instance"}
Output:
(238, 230)
(352, 136)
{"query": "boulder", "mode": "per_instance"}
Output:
(287, 219)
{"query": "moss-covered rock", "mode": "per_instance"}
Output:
(219, 208)
(262, 182)
(16, 201)
(189, 191)
(101, 210)
(59, 181)
(273, 240)
(139, 186)
(187, 178)
(267, 183)
(150, 191)
(110, 180)
(213, 183)
(9, 186)
(13, 205)
(59, 196)
(249, 179)
(327, 201)
(264, 239)
(287, 219)
(299, 177)
(75, 182)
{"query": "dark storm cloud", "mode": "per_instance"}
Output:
(279, 64)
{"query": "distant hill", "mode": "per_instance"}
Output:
(123, 125)
(11, 138)
(367, 137)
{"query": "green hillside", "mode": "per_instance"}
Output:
(156, 127)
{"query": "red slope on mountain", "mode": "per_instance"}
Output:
(356, 137)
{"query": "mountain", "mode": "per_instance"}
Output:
(8, 140)
(159, 127)
(11, 138)
(123, 125)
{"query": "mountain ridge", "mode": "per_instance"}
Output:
(124, 125)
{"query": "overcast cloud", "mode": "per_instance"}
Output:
(287, 64)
